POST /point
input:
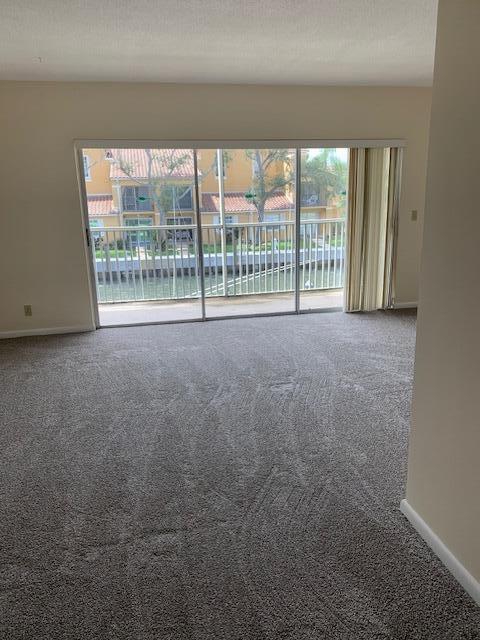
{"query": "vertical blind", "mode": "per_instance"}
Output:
(372, 223)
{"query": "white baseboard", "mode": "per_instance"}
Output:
(456, 568)
(406, 305)
(44, 331)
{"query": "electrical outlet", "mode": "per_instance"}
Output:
(27, 309)
(414, 215)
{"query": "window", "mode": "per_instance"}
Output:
(180, 234)
(138, 222)
(231, 232)
(178, 198)
(136, 199)
(228, 219)
(139, 237)
(95, 223)
(309, 195)
(179, 220)
(310, 215)
(161, 207)
(272, 217)
(86, 167)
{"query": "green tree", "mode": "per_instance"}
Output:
(161, 167)
(267, 177)
(164, 191)
(324, 176)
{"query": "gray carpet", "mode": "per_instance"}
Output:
(236, 480)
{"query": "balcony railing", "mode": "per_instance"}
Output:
(162, 262)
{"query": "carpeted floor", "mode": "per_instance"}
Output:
(227, 480)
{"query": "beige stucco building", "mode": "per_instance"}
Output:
(136, 187)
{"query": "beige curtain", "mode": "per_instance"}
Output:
(394, 180)
(372, 228)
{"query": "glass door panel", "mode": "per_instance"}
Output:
(248, 230)
(323, 209)
(141, 213)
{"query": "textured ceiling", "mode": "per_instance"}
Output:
(339, 42)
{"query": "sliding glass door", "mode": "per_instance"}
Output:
(182, 234)
(323, 211)
(248, 230)
(143, 234)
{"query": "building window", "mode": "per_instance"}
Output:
(176, 220)
(136, 199)
(86, 167)
(310, 215)
(272, 217)
(309, 195)
(229, 219)
(95, 226)
(178, 198)
(95, 223)
(178, 235)
(141, 238)
(139, 222)
(174, 198)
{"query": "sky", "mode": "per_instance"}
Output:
(342, 154)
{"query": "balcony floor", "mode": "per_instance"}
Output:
(130, 313)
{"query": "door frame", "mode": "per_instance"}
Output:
(87, 235)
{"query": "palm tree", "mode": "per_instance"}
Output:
(324, 176)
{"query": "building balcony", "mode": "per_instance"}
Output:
(156, 273)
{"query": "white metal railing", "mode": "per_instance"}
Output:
(162, 262)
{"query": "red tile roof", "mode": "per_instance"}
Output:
(236, 202)
(166, 163)
(100, 205)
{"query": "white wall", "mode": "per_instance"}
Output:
(42, 259)
(444, 461)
